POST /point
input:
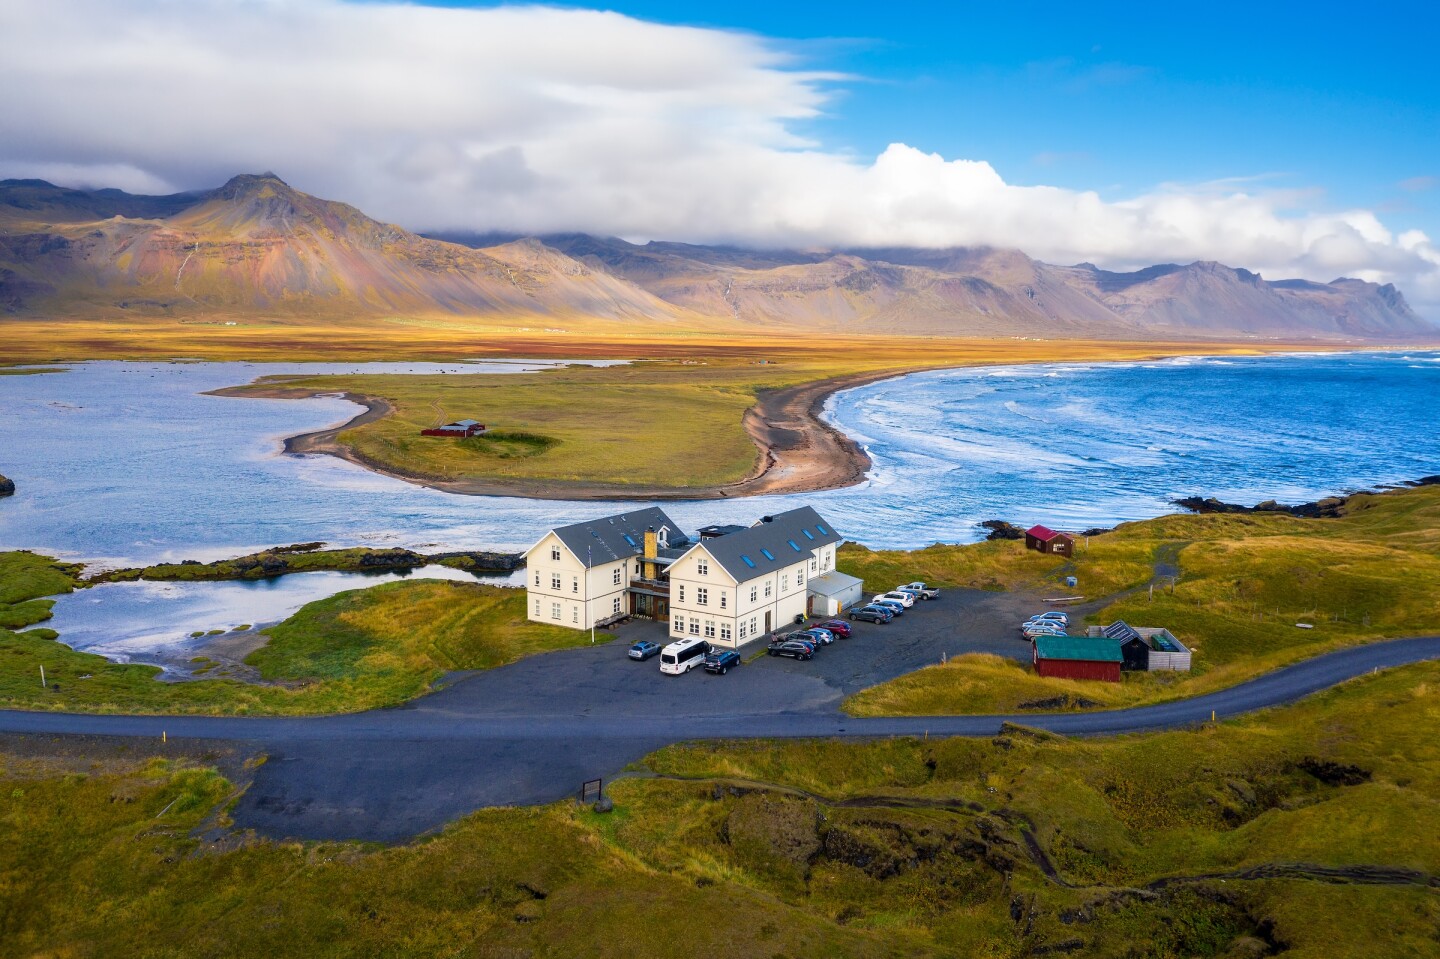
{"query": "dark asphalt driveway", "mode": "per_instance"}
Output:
(533, 731)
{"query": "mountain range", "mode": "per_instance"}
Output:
(258, 246)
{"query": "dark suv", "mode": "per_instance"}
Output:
(720, 661)
(791, 647)
(871, 614)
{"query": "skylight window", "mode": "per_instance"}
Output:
(793, 545)
(631, 540)
(808, 535)
(823, 530)
(768, 555)
(747, 561)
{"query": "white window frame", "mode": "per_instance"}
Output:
(784, 584)
(725, 632)
(575, 614)
(616, 578)
(702, 566)
(554, 580)
(709, 629)
(702, 596)
(555, 611)
(555, 554)
(754, 594)
(769, 590)
(574, 584)
(724, 599)
(537, 607)
(617, 604)
(682, 593)
(678, 628)
(694, 626)
(537, 579)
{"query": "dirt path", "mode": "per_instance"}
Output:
(797, 451)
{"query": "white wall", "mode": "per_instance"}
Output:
(584, 598)
(781, 593)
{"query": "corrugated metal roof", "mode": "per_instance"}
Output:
(833, 583)
(1087, 648)
(776, 542)
(1120, 630)
(1043, 533)
(599, 541)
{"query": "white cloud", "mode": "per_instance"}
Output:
(540, 119)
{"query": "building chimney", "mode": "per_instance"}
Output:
(652, 550)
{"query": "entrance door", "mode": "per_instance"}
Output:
(767, 620)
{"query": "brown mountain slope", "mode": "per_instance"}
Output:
(257, 245)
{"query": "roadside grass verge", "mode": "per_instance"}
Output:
(1245, 581)
(356, 650)
(1027, 844)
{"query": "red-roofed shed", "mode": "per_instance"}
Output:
(1046, 540)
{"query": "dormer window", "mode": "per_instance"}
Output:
(662, 536)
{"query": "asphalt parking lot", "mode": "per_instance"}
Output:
(603, 681)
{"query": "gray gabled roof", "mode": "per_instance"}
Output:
(599, 541)
(787, 538)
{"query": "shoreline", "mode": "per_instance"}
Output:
(796, 450)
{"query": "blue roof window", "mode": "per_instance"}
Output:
(768, 555)
(793, 545)
(631, 540)
(747, 561)
(823, 530)
(808, 535)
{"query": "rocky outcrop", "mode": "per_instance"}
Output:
(1327, 508)
(7, 486)
(999, 529)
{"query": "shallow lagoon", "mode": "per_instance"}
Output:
(127, 464)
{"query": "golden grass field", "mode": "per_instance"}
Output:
(1244, 582)
(1308, 832)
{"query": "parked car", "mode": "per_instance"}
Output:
(871, 614)
(923, 590)
(791, 647)
(823, 636)
(839, 627)
(720, 661)
(894, 605)
(1031, 630)
(643, 650)
(1054, 616)
(905, 599)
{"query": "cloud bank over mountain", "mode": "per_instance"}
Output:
(540, 120)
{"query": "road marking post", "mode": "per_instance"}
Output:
(162, 736)
(42, 677)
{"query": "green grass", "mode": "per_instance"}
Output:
(1245, 581)
(360, 649)
(801, 848)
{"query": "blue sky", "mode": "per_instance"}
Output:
(1120, 97)
(1297, 140)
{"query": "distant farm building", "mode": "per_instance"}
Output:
(1078, 657)
(1145, 649)
(1046, 540)
(458, 428)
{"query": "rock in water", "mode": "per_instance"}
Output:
(999, 529)
(7, 486)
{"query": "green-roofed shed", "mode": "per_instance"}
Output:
(1078, 657)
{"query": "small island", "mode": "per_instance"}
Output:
(7, 486)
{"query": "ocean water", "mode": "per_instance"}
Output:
(127, 464)
(124, 464)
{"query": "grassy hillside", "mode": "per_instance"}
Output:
(1307, 832)
(1243, 583)
(675, 422)
(356, 650)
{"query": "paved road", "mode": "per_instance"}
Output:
(533, 731)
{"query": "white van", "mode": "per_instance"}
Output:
(683, 655)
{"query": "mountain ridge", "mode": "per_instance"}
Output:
(257, 245)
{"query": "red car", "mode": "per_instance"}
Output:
(837, 626)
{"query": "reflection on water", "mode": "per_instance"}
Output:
(153, 622)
